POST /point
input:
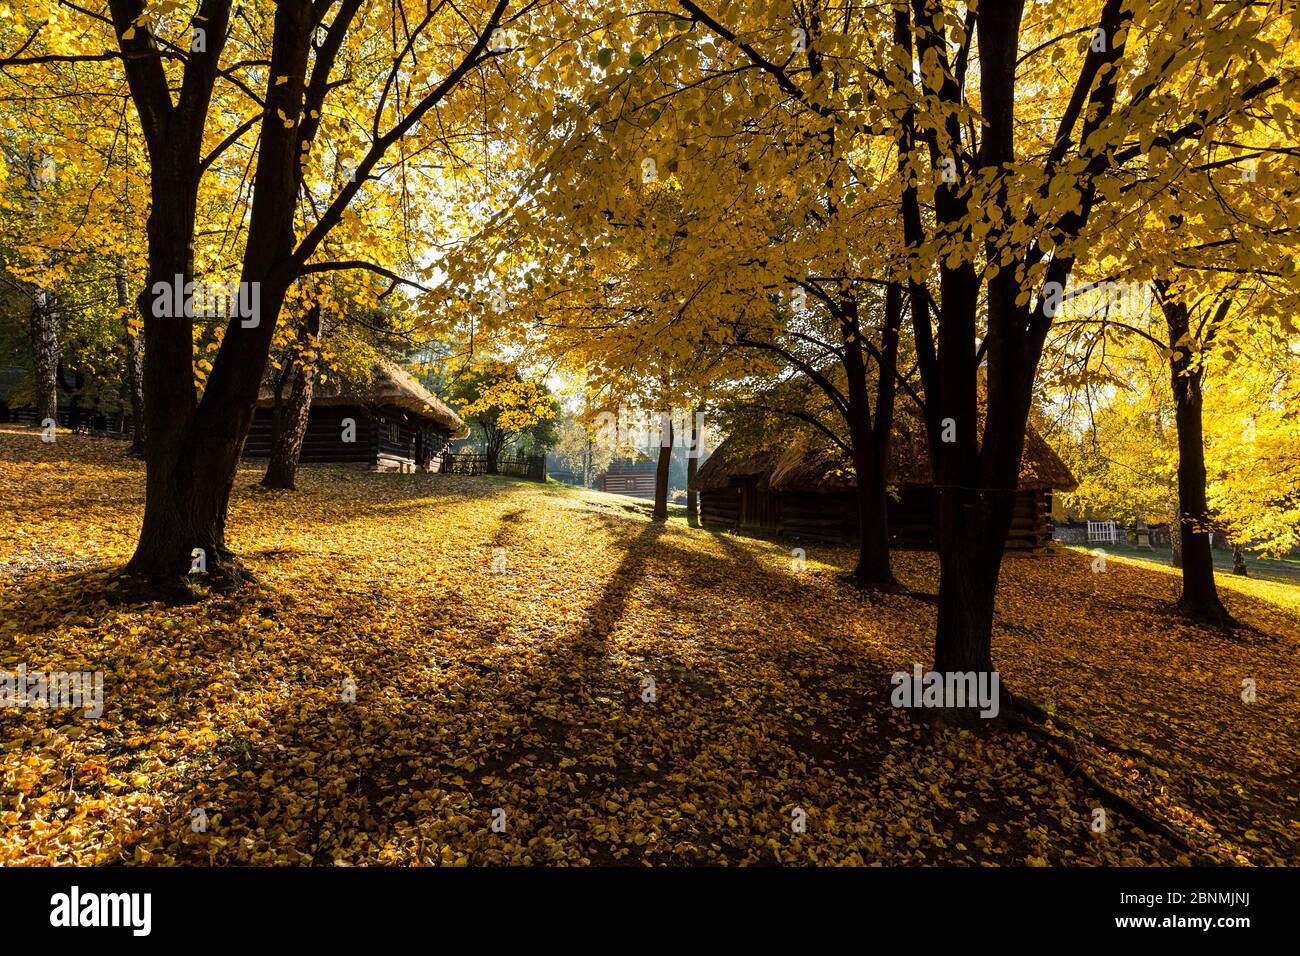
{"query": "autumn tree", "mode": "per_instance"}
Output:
(1115, 426)
(666, 239)
(1253, 449)
(504, 406)
(580, 446)
(862, 403)
(1114, 380)
(1208, 285)
(290, 76)
(71, 153)
(994, 210)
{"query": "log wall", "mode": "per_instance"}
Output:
(385, 437)
(720, 509)
(833, 516)
(638, 484)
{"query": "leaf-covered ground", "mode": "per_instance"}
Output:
(518, 685)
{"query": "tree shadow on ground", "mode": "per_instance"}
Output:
(758, 707)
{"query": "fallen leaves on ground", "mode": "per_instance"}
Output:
(501, 635)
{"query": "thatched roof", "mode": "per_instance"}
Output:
(804, 466)
(390, 385)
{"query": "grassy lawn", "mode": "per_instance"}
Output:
(1285, 569)
(501, 636)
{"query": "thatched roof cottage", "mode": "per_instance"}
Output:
(390, 423)
(807, 491)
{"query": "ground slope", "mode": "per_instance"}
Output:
(501, 636)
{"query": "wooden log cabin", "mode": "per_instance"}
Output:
(391, 423)
(807, 492)
(634, 477)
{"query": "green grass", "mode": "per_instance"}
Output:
(1285, 569)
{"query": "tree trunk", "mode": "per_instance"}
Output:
(975, 482)
(661, 472)
(1200, 598)
(134, 376)
(43, 327)
(873, 566)
(870, 436)
(179, 517)
(190, 460)
(692, 466)
(193, 448)
(1175, 539)
(976, 471)
(969, 563)
(193, 445)
(277, 400)
(976, 474)
(282, 469)
(586, 463)
(1238, 559)
(44, 333)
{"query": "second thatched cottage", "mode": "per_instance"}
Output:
(805, 491)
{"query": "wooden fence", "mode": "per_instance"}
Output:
(532, 467)
(1103, 532)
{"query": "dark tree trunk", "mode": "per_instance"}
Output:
(1200, 598)
(966, 532)
(1238, 559)
(134, 377)
(492, 449)
(692, 466)
(277, 400)
(192, 462)
(873, 529)
(969, 564)
(976, 481)
(193, 446)
(291, 421)
(870, 436)
(873, 567)
(44, 334)
(183, 508)
(661, 472)
(1175, 540)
